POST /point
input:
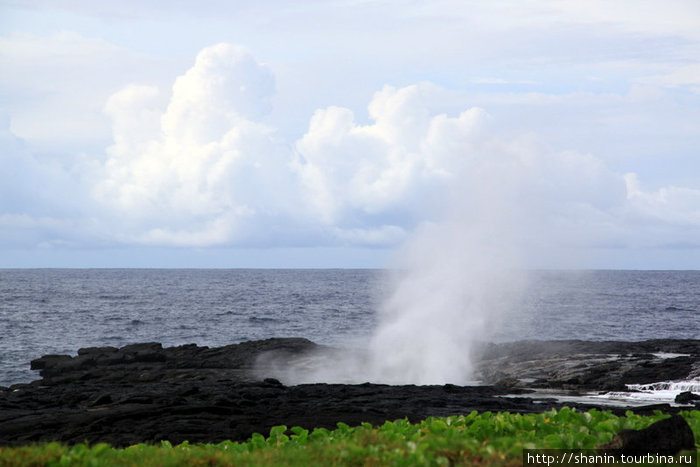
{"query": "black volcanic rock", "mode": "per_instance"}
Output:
(147, 393)
(687, 397)
(139, 362)
(668, 437)
(586, 365)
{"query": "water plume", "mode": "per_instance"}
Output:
(456, 278)
(453, 290)
(451, 285)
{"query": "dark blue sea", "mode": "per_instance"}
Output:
(46, 311)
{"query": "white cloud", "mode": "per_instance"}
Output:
(135, 112)
(202, 172)
(197, 172)
(56, 85)
(47, 80)
(225, 84)
(357, 171)
(203, 165)
(412, 164)
(666, 207)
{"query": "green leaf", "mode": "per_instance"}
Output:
(438, 426)
(278, 430)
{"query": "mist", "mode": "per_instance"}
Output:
(451, 293)
(456, 279)
(450, 286)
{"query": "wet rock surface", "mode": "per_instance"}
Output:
(147, 393)
(687, 397)
(585, 365)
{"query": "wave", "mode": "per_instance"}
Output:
(659, 392)
(692, 385)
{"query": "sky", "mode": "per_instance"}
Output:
(334, 133)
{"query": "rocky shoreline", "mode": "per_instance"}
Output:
(147, 393)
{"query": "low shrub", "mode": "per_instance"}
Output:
(475, 439)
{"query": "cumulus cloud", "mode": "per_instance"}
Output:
(392, 167)
(203, 170)
(199, 165)
(418, 165)
(226, 85)
(199, 171)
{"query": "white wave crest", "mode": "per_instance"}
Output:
(660, 392)
(692, 385)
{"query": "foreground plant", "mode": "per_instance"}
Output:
(475, 439)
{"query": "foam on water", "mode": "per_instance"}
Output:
(659, 392)
(692, 385)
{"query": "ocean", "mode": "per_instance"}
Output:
(58, 311)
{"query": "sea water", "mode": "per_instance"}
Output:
(46, 311)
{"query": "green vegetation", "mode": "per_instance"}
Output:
(475, 439)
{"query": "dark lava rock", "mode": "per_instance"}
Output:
(668, 437)
(139, 362)
(687, 397)
(147, 393)
(587, 365)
